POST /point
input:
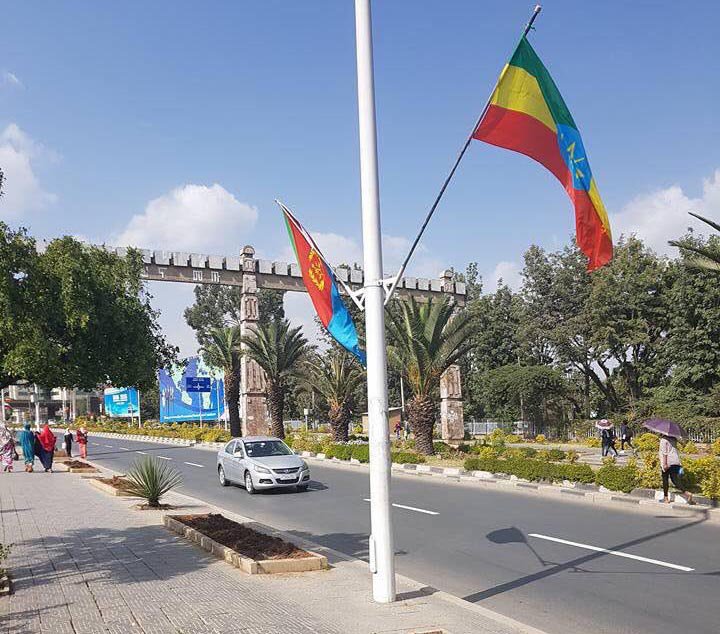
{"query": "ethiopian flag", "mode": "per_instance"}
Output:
(322, 287)
(527, 114)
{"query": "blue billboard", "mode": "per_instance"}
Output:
(121, 402)
(178, 404)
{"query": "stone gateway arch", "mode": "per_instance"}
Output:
(250, 274)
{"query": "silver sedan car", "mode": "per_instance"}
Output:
(261, 462)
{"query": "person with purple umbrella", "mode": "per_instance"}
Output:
(670, 465)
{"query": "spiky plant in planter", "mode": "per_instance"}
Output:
(150, 479)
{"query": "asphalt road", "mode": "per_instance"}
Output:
(495, 548)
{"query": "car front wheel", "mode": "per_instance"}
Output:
(249, 487)
(221, 476)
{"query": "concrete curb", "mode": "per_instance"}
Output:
(106, 488)
(572, 491)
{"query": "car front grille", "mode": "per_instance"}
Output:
(293, 470)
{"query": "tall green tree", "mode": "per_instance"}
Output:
(280, 351)
(75, 315)
(697, 253)
(218, 306)
(222, 351)
(337, 376)
(426, 339)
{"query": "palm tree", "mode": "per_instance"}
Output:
(705, 257)
(279, 351)
(336, 376)
(222, 350)
(425, 340)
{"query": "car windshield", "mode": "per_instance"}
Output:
(262, 449)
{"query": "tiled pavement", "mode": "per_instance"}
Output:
(87, 563)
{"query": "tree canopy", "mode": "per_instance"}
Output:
(75, 315)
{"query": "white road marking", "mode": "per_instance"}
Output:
(411, 508)
(616, 553)
(193, 464)
(143, 452)
(125, 449)
(108, 446)
(163, 458)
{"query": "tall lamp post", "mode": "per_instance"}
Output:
(382, 562)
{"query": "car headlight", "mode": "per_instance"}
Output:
(260, 469)
(305, 466)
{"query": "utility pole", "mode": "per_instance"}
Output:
(382, 563)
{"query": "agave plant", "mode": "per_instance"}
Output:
(150, 479)
(703, 257)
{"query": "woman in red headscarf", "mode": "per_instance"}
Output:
(47, 447)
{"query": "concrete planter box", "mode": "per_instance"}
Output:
(106, 488)
(250, 566)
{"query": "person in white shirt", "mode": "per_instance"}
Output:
(671, 468)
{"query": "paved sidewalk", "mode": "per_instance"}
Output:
(86, 563)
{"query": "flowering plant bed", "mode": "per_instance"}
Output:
(244, 547)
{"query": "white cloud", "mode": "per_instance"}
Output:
(507, 272)
(662, 215)
(191, 218)
(10, 79)
(339, 249)
(22, 193)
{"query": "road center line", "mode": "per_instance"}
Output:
(108, 446)
(194, 464)
(124, 448)
(411, 508)
(616, 553)
(163, 458)
(143, 452)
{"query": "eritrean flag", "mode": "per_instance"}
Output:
(322, 287)
(528, 115)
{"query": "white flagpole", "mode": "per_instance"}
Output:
(382, 562)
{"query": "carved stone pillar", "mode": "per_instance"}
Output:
(253, 408)
(452, 426)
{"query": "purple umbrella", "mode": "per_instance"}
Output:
(604, 424)
(665, 427)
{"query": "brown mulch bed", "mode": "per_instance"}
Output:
(78, 464)
(242, 539)
(116, 482)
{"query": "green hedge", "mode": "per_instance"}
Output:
(533, 469)
(362, 453)
(617, 478)
(405, 457)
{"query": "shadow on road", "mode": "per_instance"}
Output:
(510, 535)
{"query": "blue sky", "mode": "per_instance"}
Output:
(174, 124)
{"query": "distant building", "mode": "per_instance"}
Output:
(55, 404)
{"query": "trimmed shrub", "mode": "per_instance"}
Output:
(572, 456)
(689, 447)
(593, 442)
(543, 455)
(512, 438)
(541, 439)
(649, 475)
(405, 457)
(617, 478)
(497, 437)
(556, 455)
(609, 460)
(529, 452)
(361, 453)
(647, 442)
(488, 453)
(533, 469)
(715, 447)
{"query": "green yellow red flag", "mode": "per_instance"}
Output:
(527, 114)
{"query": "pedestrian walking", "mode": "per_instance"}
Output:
(626, 435)
(27, 442)
(608, 442)
(7, 447)
(82, 438)
(47, 448)
(398, 430)
(68, 441)
(671, 469)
